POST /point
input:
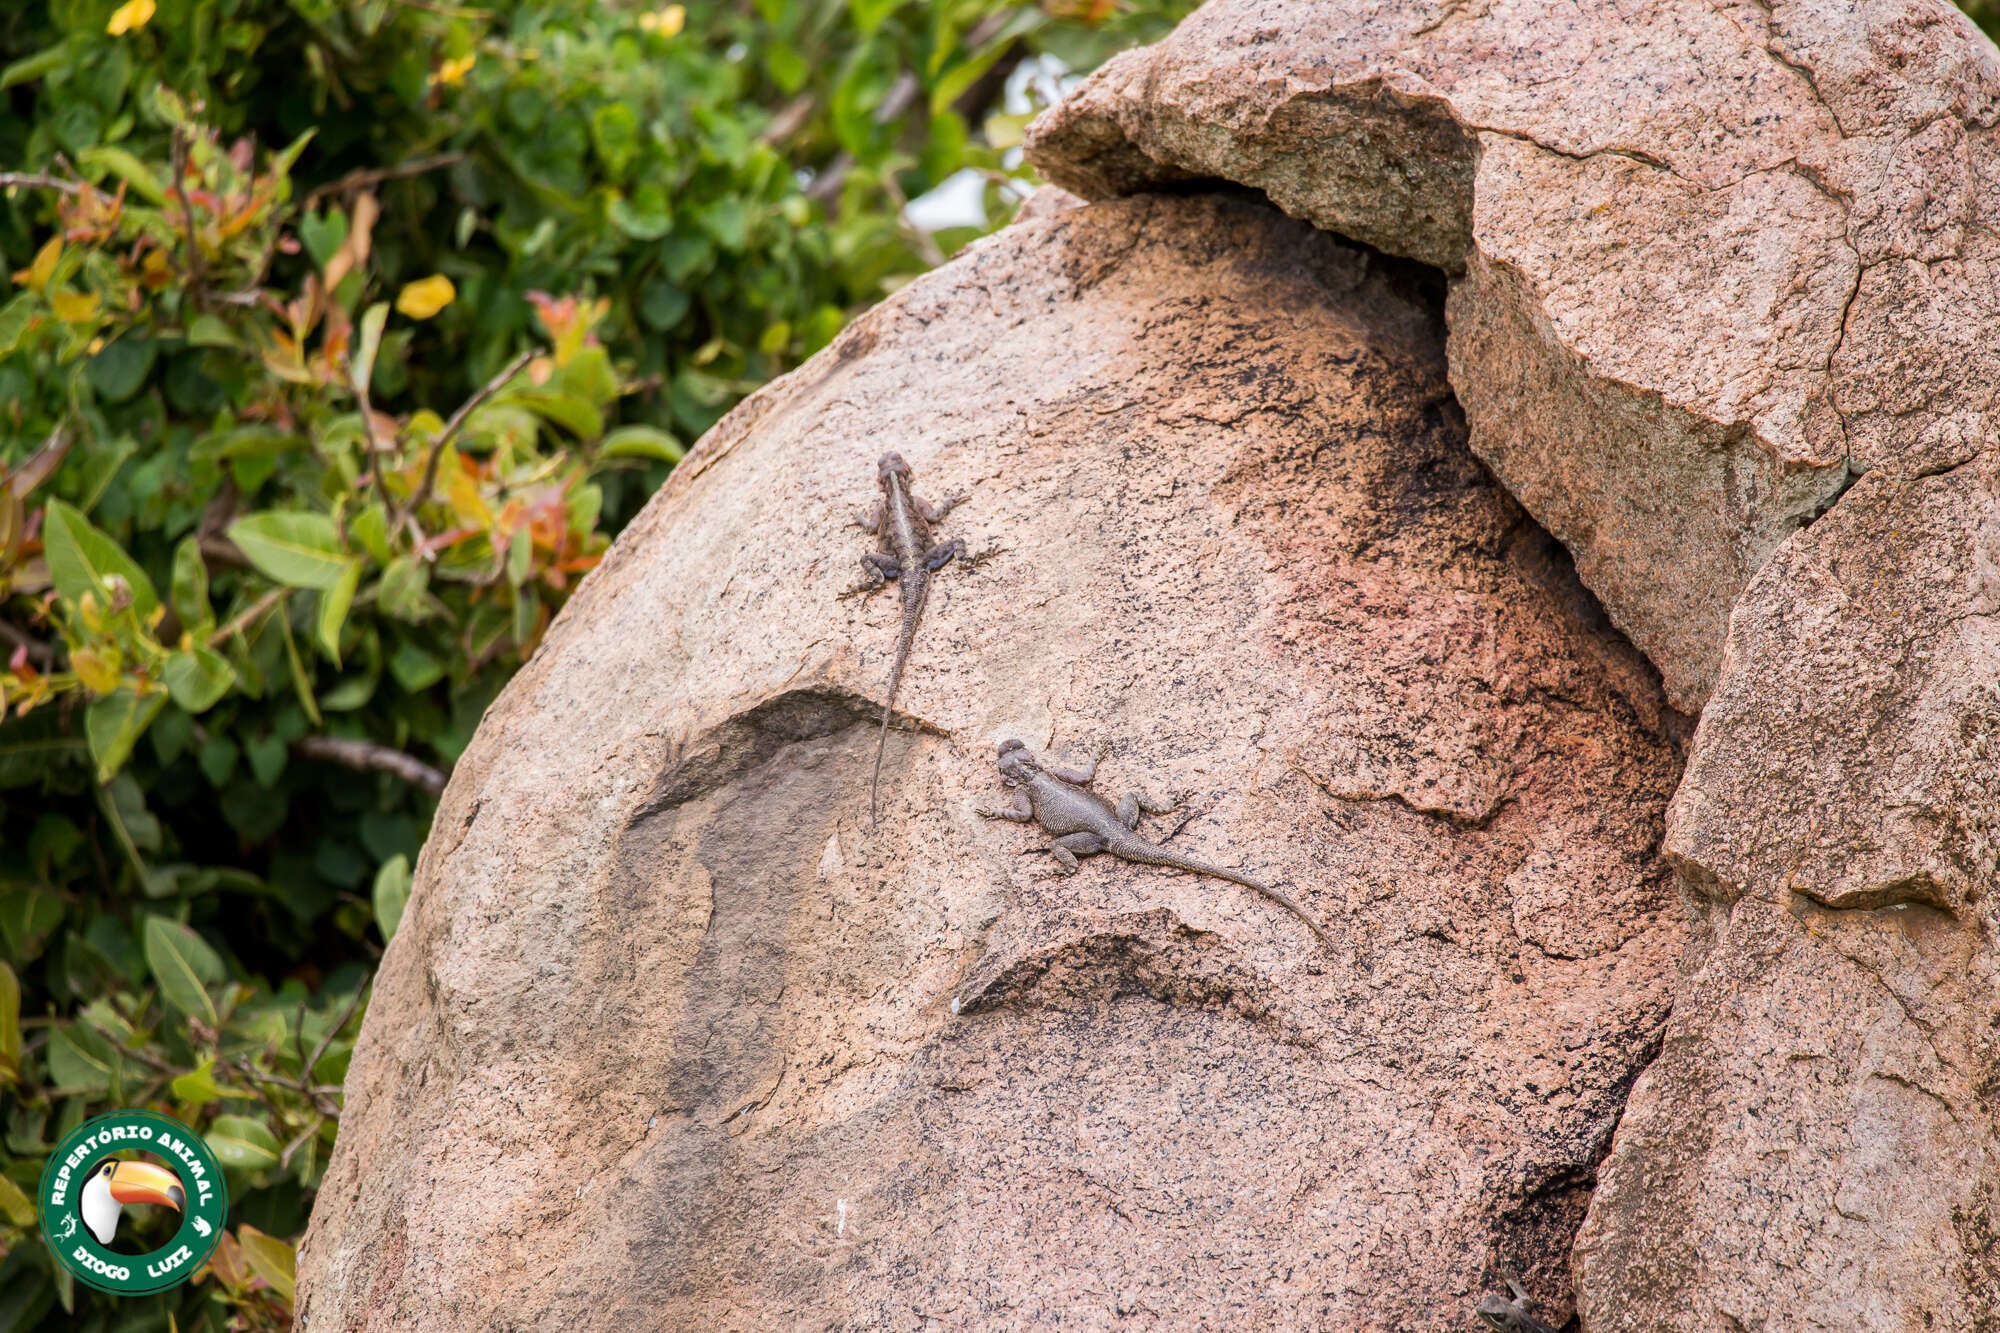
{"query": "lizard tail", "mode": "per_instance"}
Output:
(1162, 857)
(910, 614)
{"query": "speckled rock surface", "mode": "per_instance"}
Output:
(670, 1038)
(1709, 260)
(1817, 1146)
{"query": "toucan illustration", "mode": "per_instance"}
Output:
(115, 1184)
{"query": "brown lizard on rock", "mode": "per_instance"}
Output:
(1511, 1316)
(903, 522)
(1084, 823)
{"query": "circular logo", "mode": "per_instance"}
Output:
(120, 1161)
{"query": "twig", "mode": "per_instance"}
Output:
(788, 121)
(37, 181)
(451, 429)
(356, 180)
(326, 1039)
(285, 1158)
(251, 613)
(367, 756)
(41, 654)
(197, 268)
(926, 244)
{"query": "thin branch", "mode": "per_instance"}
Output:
(36, 181)
(357, 180)
(339, 1023)
(249, 615)
(197, 268)
(285, 1158)
(452, 427)
(366, 756)
(41, 654)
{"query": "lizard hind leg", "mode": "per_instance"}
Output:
(943, 554)
(1072, 845)
(1134, 802)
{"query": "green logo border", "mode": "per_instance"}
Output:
(150, 1127)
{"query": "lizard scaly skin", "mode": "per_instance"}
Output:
(1084, 823)
(903, 522)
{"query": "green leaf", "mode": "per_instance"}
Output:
(392, 893)
(84, 560)
(80, 1059)
(297, 549)
(189, 590)
(642, 442)
(118, 371)
(29, 68)
(572, 413)
(333, 604)
(267, 758)
(127, 168)
(301, 681)
(217, 758)
(27, 916)
(10, 1022)
(370, 530)
(198, 677)
(645, 215)
(114, 725)
(270, 1258)
(15, 1204)
(323, 235)
(185, 967)
(361, 366)
(243, 1143)
(615, 129)
(414, 669)
(15, 317)
(405, 590)
(199, 1085)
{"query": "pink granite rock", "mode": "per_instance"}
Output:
(671, 1038)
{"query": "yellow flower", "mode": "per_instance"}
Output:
(666, 22)
(426, 296)
(130, 17)
(453, 71)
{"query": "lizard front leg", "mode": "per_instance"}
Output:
(934, 513)
(1022, 813)
(869, 520)
(1082, 774)
(1133, 802)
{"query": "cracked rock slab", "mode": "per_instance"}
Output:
(1708, 261)
(671, 1038)
(1818, 1146)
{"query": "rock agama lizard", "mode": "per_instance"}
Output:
(1511, 1316)
(1084, 823)
(907, 554)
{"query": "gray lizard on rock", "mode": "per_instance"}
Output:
(903, 522)
(1084, 823)
(1511, 1316)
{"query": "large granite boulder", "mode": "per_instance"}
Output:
(1709, 264)
(671, 1037)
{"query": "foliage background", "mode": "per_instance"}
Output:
(341, 336)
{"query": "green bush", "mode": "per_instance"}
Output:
(341, 335)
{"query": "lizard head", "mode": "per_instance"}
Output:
(1505, 1315)
(891, 465)
(1016, 764)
